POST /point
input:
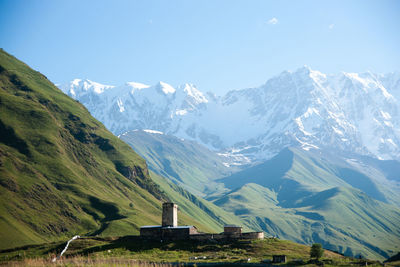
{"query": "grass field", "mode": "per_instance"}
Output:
(132, 251)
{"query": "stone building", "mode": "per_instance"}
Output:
(169, 215)
(232, 229)
(279, 258)
(169, 229)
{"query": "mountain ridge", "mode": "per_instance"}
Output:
(62, 173)
(346, 203)
(351, 112)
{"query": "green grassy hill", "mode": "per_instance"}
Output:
(208, 214)
(308, 199)
(61, 172)
(342, 219)
(298, 172)
(184, 162)
(124, 250)
(279, 195)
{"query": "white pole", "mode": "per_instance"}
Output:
(66, 247)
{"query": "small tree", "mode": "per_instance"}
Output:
(316, 251)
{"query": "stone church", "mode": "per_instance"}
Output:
(169, 229)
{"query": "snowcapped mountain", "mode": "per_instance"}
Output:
(350, 112)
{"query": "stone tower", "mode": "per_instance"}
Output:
(170, 214)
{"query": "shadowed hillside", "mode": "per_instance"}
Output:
(61, 172)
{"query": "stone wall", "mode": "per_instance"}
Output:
(253, 235)
(170, 215)
(224, 236)
(232, 229)
(150, 232)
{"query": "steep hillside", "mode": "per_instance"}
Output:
(342, 130)
(186, 163)
(342, 219)
(61, 172)
(211, 217)
(295, 172)
(305, 197)
(280, 196)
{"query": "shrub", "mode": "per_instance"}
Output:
(316, 251)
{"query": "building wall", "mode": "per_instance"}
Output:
(204, 237)
(175, 233)
(150, 232)
(193, 231)
(253, 235)
(167, 233)
(279, 258)
(231, 229)
(170, 215)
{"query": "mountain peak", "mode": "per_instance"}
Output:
(78, 87)
(194, 93)
(137, 85)
(304, 70)
(351, 112)
(166, 88)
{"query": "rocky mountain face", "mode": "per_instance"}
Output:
(358, 113)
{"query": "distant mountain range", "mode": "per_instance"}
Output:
(346, 112)
(299, 158)
(350, 205)
(307, 156)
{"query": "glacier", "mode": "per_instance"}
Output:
(347, 112)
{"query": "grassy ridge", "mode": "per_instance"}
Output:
(203, 211)
(190, 165)
(184, 162)
(61, 172)
(299, 197)
(279, 195)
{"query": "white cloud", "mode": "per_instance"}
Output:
(331, 26)
(273, 21)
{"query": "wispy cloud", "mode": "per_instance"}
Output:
(331, 26)
(273, 21)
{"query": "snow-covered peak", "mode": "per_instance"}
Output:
(166, 88)
(193, 92)
(137, 85)
(76, 82)
(77, 87)
(370, 83)
(355, 112)
(305, 69)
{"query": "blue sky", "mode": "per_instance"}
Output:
(217, 45)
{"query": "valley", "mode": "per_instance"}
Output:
(299, 195)
(63, 173)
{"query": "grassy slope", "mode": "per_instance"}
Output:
(61, 172)
(266, 196)
(183, 251)
(298, 197)
(295, 172)
(186, 163)
(197, 208)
